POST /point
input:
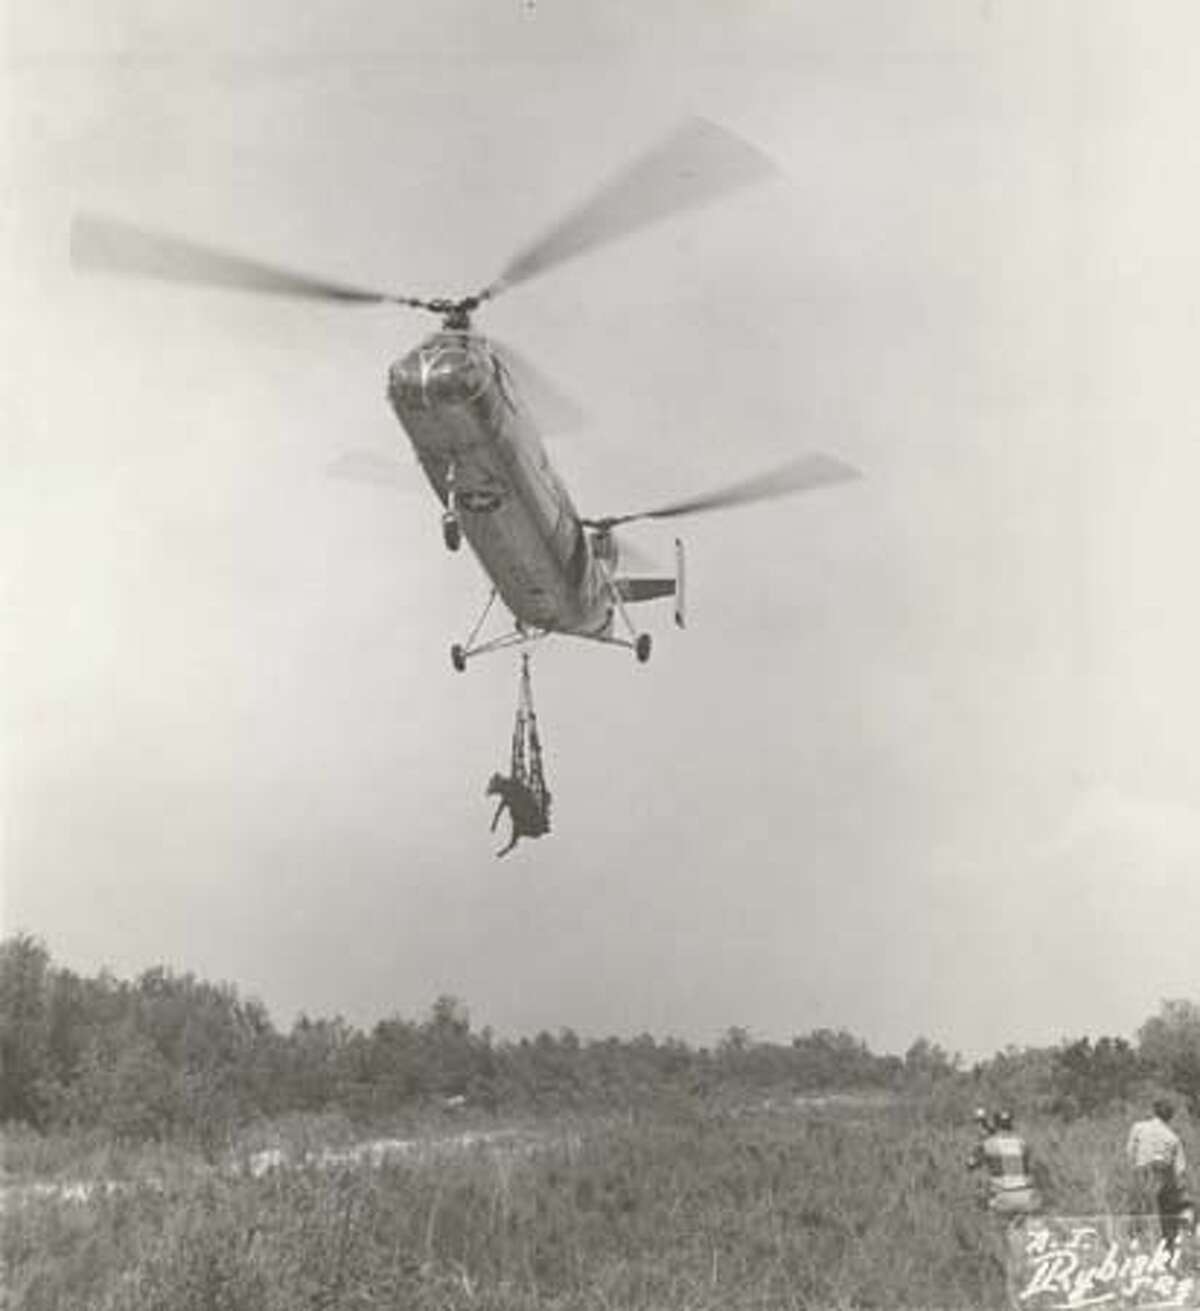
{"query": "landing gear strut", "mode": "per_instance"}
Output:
(461, 652)
(639, 643)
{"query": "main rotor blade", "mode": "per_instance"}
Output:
(698, 162)
(111, 246)
(552, 409)
(369, 466)
(802, 475)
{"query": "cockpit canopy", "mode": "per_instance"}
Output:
(449, 368)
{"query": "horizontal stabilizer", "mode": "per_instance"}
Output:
(644, 589)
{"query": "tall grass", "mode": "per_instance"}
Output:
(687, 1211)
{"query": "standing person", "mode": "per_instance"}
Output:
(1156, 1154)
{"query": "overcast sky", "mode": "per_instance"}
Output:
(924, 761)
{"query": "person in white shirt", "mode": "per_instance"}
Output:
(1160, 1168)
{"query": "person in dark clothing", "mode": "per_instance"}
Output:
(525, 813)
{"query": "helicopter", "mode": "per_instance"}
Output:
(459, 397)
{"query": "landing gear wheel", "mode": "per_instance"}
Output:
(458, 657)
(642, 648)
(451, 531)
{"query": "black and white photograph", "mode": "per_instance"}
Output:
(599, 677)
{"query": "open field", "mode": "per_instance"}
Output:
(787, 1206)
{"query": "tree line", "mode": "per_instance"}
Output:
(167, 1055)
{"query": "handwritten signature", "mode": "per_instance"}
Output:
(1079, 1267)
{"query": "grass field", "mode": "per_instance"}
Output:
(837, 1206)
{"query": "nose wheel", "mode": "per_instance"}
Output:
(451, 531)
(641, 648)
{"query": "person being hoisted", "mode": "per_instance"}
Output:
(523, 793)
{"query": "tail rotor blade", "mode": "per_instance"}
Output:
(110, 246)
(550, 406)
(697, 163)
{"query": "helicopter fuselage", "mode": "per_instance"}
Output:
(455, 397)
(483, 456)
